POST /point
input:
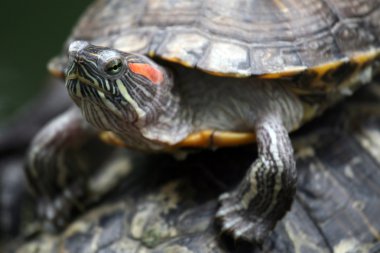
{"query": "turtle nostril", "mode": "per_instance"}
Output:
(79, 60)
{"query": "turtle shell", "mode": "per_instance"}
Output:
(270, 38)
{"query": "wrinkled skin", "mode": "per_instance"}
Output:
(166, 205)
(148, 107)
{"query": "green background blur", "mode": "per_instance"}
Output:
(32, 31)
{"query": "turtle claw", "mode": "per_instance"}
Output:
(59, 211)
(237, 222)
(52, 215)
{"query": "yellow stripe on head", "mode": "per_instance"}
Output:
(123, 91)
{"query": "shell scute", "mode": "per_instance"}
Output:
(270, 38)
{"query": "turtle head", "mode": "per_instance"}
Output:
(115, 90)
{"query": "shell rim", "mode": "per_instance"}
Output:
(56, 66)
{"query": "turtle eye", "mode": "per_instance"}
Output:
(113, 67)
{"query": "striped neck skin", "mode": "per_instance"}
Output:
(127, 94)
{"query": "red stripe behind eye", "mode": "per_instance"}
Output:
(148, 71)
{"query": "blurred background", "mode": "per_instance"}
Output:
(31, 33)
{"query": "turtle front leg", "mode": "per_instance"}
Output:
(60, 161)
(264, 196)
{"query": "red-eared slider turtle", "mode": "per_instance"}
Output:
(335, 209)
(219, 73)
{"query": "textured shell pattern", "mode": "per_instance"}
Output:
(271, 38)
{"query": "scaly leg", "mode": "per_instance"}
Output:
(264, 196)
(61, 159)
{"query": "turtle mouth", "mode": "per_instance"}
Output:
(83, 81)
(82, 87)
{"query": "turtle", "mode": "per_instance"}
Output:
(335, 209)
(176, 75)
